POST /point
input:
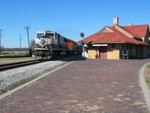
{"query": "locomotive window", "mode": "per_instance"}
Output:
(49, 34)
(40, 34)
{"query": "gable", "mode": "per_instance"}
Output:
(105, 30)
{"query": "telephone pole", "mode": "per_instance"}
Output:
(0, 36)
(27, 28)
(20, 43)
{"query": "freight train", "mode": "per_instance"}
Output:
(50, 44)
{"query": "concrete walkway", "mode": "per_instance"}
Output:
(86, 86)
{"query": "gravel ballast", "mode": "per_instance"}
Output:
(9, 77)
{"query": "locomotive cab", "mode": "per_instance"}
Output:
(43, 43)
(44, 38)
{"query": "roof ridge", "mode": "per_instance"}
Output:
(119, 28)
(136, 25)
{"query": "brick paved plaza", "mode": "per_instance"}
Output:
(85, 86)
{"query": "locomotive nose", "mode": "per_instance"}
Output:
(42, 42)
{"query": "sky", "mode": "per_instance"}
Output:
(67, 17)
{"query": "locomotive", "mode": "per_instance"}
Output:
(50, 44)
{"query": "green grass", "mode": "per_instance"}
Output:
(147, 73)
(148, 66)
(12, 60)
(13, 54)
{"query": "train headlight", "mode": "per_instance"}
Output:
(42, 42)
(37, 46)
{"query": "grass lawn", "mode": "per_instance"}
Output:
(12, 60)
(147, 75)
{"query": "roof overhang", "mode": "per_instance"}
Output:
(99, 44)
(118, 43)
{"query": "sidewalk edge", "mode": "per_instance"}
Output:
(144, 86)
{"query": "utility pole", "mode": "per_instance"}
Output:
(0, 37)
(27, 28)
(0, 40)
(20, 43)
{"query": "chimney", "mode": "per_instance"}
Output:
(115, 21)
(130, 24)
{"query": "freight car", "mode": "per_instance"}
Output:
(49, 44)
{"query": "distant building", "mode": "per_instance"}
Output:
(119, 42)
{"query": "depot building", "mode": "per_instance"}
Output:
(119, 42)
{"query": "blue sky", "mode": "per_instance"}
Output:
(67, 17)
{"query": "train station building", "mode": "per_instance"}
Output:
(119, 42)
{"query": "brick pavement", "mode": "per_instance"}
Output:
(86, 86)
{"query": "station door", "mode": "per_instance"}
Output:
(103, 52)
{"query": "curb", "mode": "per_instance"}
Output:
(144, 86)
(32, 81)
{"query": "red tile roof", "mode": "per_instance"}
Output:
(118, 37)
(137, 30)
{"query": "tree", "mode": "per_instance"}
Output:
(31, 47)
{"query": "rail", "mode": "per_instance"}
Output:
(4, 67)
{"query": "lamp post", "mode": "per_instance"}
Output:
(82, 34)
(84, 53)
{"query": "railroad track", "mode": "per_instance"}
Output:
(4, 67)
